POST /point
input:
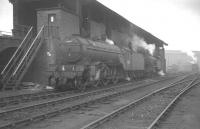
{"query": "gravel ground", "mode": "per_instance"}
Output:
(42, 97)
(142, 115)
(186, 113)
(19, 115)
(78, 118)
(26, 101)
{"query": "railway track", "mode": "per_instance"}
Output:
(23, 115)
(163, 115)
(24, 98)
(144, 112)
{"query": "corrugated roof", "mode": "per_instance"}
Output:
(148, 37)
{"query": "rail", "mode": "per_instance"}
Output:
(161, 115)
(45, 115)
(16, 99)
(115, 113)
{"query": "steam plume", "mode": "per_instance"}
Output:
(161, 73)
(138, 42)
(192, 55)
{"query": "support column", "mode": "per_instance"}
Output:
(79, 13)
(78, 7)
(15, 16)
(163, 60)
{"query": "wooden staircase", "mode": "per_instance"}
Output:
(19, 63)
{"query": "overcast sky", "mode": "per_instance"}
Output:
(177, 22)
(6, 22)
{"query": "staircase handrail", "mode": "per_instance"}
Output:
(27, 52)
(20, 46)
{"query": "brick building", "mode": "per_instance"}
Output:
(86, 18)
(178, 61)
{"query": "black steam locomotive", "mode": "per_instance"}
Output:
(77, 62)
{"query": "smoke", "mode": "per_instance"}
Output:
(192, 55)
(109, 41)
(161, 73)
(138, 43)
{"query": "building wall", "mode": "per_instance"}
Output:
(197, 54)
(177, 61)
(177, 58)
(7, 42)
(67, 23)
(38, 70)
(121, 39)
(97, 29)
(5, 56)
(42, 17)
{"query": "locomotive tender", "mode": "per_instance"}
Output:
(78, 62)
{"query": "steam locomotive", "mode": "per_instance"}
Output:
(77, 62)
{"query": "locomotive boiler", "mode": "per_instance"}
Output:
(77, 62)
